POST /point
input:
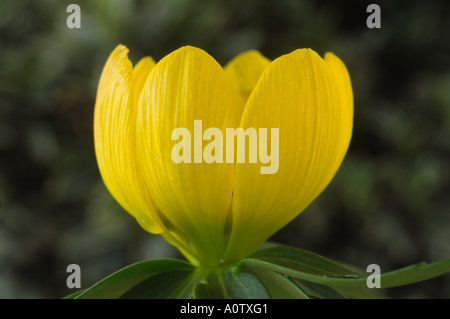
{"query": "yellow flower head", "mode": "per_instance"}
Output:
(220, 211)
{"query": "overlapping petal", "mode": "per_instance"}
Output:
(114, 137)
(185, 86)
(140, 74)
(299, 93)
(245, 71)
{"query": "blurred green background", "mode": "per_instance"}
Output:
(389, 203)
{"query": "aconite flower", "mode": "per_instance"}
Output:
(221, 211)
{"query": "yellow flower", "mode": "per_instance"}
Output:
(220, 212)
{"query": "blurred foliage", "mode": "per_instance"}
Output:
(389, 203)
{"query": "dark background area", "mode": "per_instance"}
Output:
(388, 204)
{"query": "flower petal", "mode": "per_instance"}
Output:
(140, 74)
(245, 71)
(185, 86)
(114, 138)
(344, 85)
(298, 94)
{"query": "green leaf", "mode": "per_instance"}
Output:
(201, 291)
(277, 288)
(300, 264)
(310, 267)
(357, 293)
(318, 291)
(230, 283)
(173, 284)
(415, 273)
(75, 294)
(117, 284)
(279, 283)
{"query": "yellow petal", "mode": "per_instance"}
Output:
(140, 74)
(299, 94)
(114, 138)
(185, 86)
(245, 71)
(344, 86)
